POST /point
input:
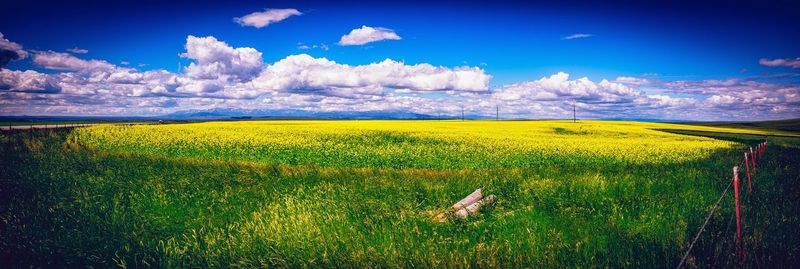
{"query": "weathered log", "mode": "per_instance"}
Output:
(475, 207)
(469, 200)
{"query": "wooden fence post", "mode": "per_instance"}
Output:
(753, 163)
(747, 166)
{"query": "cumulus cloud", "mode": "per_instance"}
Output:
(787, 62)
(305, 73)
(722, 100)
(554, 96)
(223, 76)
(666, 101)
(77, 50)
(214, 59)
(66, 62)
(27, 81)
(739, 98)
(264, 18)
(219, 70)
(628, 97)
(576, 36)
(10, 51)
(559, 87)
(366, 34)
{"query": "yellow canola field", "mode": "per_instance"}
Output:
(420, 144)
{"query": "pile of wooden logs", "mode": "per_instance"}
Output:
(472, 204)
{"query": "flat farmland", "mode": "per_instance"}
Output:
(374, 193)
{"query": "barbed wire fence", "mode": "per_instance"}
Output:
(751, 165)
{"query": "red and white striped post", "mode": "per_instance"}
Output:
(747, 167)
(758, 150)
(753, 162)
(739, 247)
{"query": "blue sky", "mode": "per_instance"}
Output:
(666, 45)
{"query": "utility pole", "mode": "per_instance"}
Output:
(574, 117)
(497, 116)
(462, 113)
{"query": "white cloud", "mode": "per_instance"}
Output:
(634, 81)
(792, 95)
(788, 62)
(305, 73)
(222, 76)
(366, 34)
(77, 50)
(217, 60)
(559, 87)
(66, 62)
(221, 71)
(264, 18)
(27, 81)
(576, 36)
(733, 99)
(666, 101)
(626, 97)
(722, 100)
(304, 46)
(10, 51)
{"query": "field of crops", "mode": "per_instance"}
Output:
(408, 144)
(367, 193)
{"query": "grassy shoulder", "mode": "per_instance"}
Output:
(778, 127)
(37, 123)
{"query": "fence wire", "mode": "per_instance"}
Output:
(708, 219)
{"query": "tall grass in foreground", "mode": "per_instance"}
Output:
(66, 203)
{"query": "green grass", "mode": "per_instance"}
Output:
(28, 123)
(64, 205)
(788, 125)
